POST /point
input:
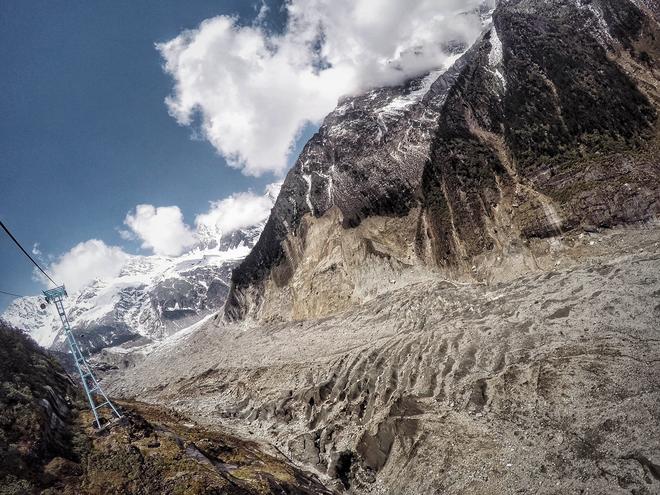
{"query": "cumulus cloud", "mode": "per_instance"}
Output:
(163, 230)
(160, 229)
(253, 91)
(87, 261)
(238, 211)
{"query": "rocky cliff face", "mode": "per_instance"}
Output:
(547, 124)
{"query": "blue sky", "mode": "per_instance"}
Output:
(85, 134)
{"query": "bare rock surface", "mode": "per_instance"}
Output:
(547, 383)
(548, 123)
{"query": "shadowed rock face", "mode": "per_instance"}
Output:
(542, 130)
(547, 124)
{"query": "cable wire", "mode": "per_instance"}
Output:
(10, 294)
(25, 252)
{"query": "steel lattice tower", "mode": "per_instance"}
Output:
(89, 381)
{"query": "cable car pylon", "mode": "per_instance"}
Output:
(91, 385)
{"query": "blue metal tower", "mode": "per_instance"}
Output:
(90, 384)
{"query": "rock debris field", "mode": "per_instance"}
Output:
(549, 383)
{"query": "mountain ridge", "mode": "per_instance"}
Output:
(502, 151)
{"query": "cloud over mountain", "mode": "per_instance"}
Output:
(161, 229)
(253, 91)
(238, 211)
(86, 262)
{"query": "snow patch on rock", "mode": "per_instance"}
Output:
(496, 55)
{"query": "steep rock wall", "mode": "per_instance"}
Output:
(547, 124)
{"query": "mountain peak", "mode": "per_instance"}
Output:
(472, 160)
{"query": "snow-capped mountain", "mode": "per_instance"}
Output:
(151, 298)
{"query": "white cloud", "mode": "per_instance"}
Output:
(163, 231)
(127, 235)
(254, 91)
(262, 12)
(238, 211)
(160, 229)
(86, 262)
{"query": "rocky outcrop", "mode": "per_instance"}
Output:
(155, 450)
(547, 124)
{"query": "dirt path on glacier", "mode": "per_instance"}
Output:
(546, 384)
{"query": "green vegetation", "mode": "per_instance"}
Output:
(565, 96)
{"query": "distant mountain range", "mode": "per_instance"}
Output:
(152, 298)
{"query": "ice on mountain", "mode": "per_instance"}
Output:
(308, 179)
(401, 103)
(496, 55)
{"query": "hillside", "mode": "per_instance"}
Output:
(47, 444)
